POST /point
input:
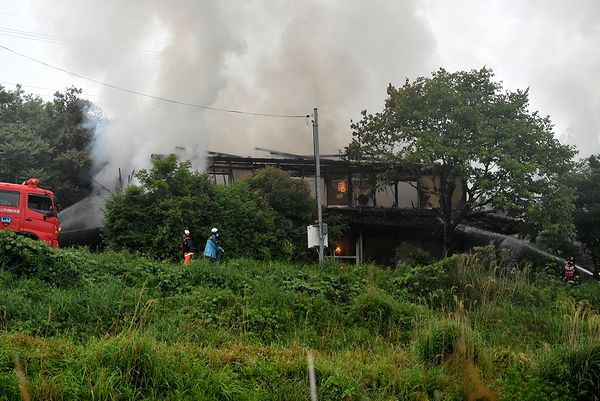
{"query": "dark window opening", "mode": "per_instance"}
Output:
(39, 203)
(9, 198)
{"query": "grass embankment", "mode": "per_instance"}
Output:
(77, 326)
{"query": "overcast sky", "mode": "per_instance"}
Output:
(286, 58)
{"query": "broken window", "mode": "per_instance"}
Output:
(337, 192)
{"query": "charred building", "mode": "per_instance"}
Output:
(382, 220)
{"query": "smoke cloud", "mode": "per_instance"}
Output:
(257, 56)
(289, 57)
(268, 56)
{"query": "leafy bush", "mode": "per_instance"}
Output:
(420, 281)
(336, 285)
(290, 199)
(381, 312)
(24, 257)
(150, 219)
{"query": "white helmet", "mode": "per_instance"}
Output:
(186, 232)
(214, 230)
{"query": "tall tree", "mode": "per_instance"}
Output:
(463, 126)
(587, 206)
(70, 134)
(49, 140)
(20, 153)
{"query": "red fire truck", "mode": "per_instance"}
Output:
(30, 211)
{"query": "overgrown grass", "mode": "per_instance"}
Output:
(126, 327)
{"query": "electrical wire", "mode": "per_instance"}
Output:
(234, 111)
(43, 88)
(56, 40)
(16, 15)
(31, 33)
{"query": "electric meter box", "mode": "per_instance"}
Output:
(313, 235)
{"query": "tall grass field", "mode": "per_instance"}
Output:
(116, 326)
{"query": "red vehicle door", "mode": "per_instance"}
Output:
(40, 217)
(10, 209)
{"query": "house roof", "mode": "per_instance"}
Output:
(304, 166)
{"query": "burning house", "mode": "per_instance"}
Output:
(382, 220)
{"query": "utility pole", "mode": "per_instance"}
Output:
(315, 122)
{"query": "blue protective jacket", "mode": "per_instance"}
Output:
(211, 248)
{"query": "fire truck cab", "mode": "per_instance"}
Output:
(30, 211)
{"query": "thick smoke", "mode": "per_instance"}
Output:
(191, 41)
(258, 56)
(289, 57)
(338, 56)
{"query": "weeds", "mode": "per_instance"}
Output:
(467, 327)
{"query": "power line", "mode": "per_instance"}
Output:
(152, 96)
(31, 33)
(56, 40)
(43, 88)
(16, 15)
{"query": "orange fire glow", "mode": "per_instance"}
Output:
(341, 186)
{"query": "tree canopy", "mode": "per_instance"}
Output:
(48, 140)
(463, 127)
(292, 201)
(150, 217)
(587, 206)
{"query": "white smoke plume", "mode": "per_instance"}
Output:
(257, 56)
(270, 56)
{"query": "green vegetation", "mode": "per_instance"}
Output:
(586, 181)
(118, 326)
(47, 140)
(151, 217)
(464, 127)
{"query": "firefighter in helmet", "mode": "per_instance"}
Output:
(569, 273)
(213, 246)
(187, 246)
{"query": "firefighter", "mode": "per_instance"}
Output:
(187, 247)
(213, 246)
(569, 272)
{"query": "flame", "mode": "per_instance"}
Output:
(341, 186)
(338, 250)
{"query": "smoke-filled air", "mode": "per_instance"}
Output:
(263, 57)
(288, 57)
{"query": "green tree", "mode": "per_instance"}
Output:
(151, 217)
(291, 199)
(587, 206)
(50, 140)
(20, 152)
(288, 196)
(463, 126)
(70, 133)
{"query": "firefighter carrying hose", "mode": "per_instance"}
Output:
(569, 273)
(187, 247)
